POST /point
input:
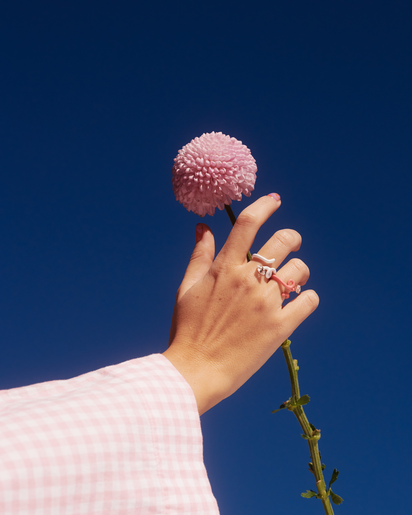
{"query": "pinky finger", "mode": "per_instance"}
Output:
(296, 311)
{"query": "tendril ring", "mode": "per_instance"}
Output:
(270, 273)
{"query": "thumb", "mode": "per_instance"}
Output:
(200, 262)
(201, 259)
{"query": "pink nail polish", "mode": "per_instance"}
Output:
(199, 232)
(275, 196)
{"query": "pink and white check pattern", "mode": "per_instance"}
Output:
(122, 440)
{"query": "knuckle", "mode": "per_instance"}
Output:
(301, 267)
(226, 274)
(246, 218)
(219, 268)
(238, 284)
(259, 305)
(290, 238)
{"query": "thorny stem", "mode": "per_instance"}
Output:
(313, 435)
(299, 412)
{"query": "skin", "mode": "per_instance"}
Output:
(229, 320)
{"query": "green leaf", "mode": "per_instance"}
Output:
(303, 400)
(309, 493)
(335, 498)
(335, 475)
(323, 468)
(312, 427)
(282, 406)
(306, 437)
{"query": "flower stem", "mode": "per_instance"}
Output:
(312, 435)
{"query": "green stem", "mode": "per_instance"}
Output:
(292, 370)
(313, 435)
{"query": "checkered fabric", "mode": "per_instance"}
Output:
(125, 439)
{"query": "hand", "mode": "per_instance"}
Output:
(228, 319)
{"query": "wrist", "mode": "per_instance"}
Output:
(204, 379)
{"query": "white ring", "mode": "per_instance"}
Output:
(266, 271)
(267, 261)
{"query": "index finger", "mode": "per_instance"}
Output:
(246, 227)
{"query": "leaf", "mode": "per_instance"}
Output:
(311, 467)
(306, 437)
(335, 498)
(335, 475)
(323, 468)
(303, 400)
(282, 406)
(309, 493)
(312, 427)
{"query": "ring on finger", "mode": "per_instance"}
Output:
(270, 273)
(267, 271)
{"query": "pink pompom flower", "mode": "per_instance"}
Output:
(211, 171)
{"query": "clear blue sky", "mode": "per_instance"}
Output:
(96, 98)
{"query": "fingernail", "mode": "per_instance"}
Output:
(275, 196)
(199, 232)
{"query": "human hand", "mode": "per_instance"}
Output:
(228, 319)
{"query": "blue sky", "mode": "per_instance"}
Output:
(96, 99)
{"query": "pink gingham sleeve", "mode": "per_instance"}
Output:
(125, 439)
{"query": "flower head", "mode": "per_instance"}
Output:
(211, 171)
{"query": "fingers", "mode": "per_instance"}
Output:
(247, 225)
(201, 259)
(280, 245)
(294, 269)
(294, 273)
(296, 311)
